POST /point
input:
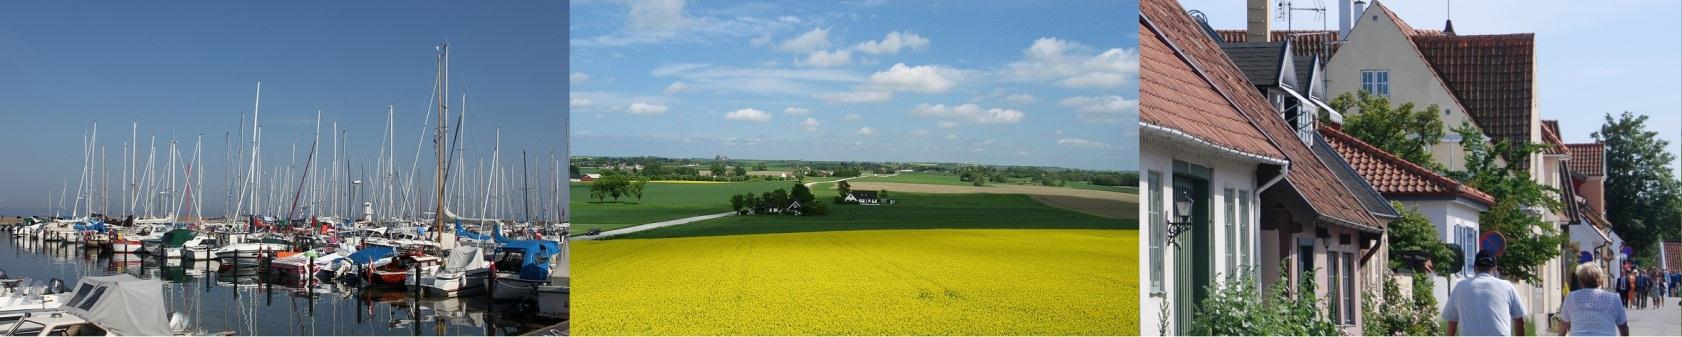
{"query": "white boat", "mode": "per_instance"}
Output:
(552, 301)
(464, 269)
(17, 298)
(247, 251)
(119, 305)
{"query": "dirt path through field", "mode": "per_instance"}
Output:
(1113, 205)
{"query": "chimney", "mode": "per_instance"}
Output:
(1260, 17)
(1448, 28)
(1345, 18)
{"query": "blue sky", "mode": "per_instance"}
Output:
(1592, 58)
(185, 68)
(1049, 83)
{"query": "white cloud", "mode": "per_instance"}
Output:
(928, 79)
(856, 96)
(794, 110)
(920, 133)
(821, 58)
(1077, 142)
(815, 39)
(1073, 65)
(947, 124)
(580, 78)
(969, 113)
(677, 87)
(762, 40)
(759, 80)
(658, 16)
(1021, 153)
(951, 136)
(1021, 98)
(866, 131)
(810, 124)
(640, 108)
(852, 117)
(580, 103)
(749, 115)
(892, 43)
(1101, 109)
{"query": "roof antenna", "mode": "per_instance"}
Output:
(1287, 12)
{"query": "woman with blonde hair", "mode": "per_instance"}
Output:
(1592, 311)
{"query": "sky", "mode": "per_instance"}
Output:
(190, 67)
(1592, 57)
(1041, 83)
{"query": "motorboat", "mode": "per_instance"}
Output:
(465, 268)
(398, 271)
(118, 305)
(248, 252)
(521, 266)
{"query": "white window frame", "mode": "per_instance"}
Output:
(1231, 230)
(1158, 232)
(1244, 223)
(1376, 81)
(1349, 288)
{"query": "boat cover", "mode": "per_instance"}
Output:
(122, 304)
(371, 254)
(464, 258)
(463, 232)
(96, 226)
(536, 254)
(177, 237)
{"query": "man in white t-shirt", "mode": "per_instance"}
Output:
(1484, 305)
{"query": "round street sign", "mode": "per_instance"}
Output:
(1584, 257)
(1493, 241)
(1628, 251)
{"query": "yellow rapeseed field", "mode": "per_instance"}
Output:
(879, 282)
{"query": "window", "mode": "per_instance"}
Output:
(1305, 259)
(1244, 225)
(1376, 82)
(1334, 290)
(1159, 236)
(1349, 288)
(1469, 247)
(1231, 231)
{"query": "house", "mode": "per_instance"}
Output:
(1254, 191)
(863, 197)
(1451, 206)
(1487, 81)
(793, 207)
(588, 177)
(1593, 236)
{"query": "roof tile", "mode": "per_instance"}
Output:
(1588, 159)
(1395, 176)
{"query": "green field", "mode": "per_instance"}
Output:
(932, 178)
(886, 282)
(913, 211)
(661, 201)
(1089, 186)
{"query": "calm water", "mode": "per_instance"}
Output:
(238, 302)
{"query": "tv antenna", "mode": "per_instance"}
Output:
(1287, 12)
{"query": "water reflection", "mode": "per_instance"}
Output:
(237, 299)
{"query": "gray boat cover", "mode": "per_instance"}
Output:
(465, 258)
(122, 304)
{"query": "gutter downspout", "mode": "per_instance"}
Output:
(1284, 170)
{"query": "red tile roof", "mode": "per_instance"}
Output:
(1394, 176)
(1304, 43)
(1173, 31)
(1173, 96)
(1492, 75)
(1551, 140)
(1588, 159)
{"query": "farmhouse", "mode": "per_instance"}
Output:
(863, 197)
(590, 177)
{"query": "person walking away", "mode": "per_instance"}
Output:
(1591, 311)
(1658, 290)
(1640, 290)
(1484, 305)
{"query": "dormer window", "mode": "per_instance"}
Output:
(1376, 82)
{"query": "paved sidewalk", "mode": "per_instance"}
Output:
(1666, 321)
(644, 227)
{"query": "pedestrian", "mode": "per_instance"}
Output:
(1592, 311)
(1624, 285)
(1640, 289)
(1484, 305)
(1658, 290)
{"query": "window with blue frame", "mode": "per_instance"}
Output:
(1376, 82)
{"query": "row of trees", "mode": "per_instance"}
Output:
(776, 201)
(617, 184)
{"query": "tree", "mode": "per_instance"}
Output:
(751, 202)
(801, 193)
(1398, 130)
(738, 202)
(1398, 314)
(741, 171)
(1641, 193)
(843, 188)
(572, 170)
(814, 208)
(636, 188)
(1531, 242)
(760, 167)
(1414, 233)
(616, 185)
(978, 180)
(717, 169)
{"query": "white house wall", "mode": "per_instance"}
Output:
(1226, 171)
(1378, 44)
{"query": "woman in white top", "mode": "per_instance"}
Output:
(1591, 311)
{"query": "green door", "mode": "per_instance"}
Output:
(1192, 268)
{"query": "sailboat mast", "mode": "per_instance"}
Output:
(525, 179)
(438, 137)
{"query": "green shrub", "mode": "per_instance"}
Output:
(1395, 314)
(1238, 307)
